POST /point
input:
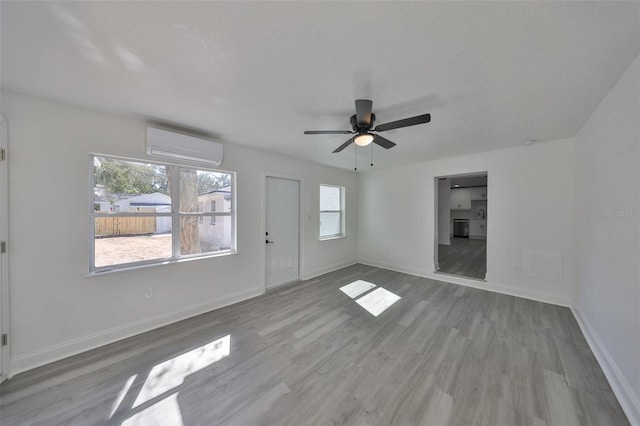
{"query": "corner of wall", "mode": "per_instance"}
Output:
(629, 401)
(494, 287)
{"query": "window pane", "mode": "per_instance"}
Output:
(198, 188)
(141, 191)
(205, 236)
(329, 198)
(125, 186)
(131, 239)
(330, 224)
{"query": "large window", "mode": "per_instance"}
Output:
(331, 211)
(145, 213)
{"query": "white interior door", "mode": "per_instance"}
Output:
(282, 231)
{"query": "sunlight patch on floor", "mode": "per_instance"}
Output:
(171, 373)
(375, 302)
(356, 288)
(378, 301)
(123, 392)
(164, 412)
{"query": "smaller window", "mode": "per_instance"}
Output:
(213, 210)
(331, 211)
(200, 208)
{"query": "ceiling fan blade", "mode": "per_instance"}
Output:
(383, 142)
(363, 112)
(328, 132)
(343, 146)
(406, 122)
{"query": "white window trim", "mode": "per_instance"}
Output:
(342, 233)
(174, 170)
(213, 207)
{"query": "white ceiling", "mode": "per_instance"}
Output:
(491, 74)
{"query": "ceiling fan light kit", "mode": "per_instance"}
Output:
(362, 125)
(363, 139)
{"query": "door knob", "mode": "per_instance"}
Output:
(269, 242)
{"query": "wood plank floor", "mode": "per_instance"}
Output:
(309, 354)
(466, 257)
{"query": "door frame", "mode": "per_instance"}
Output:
(279, 175)
(5, 370)
(436, 200)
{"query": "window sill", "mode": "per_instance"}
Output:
(116, 269)
(333, 237)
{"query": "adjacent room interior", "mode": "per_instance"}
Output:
(320, 213)
(461, 208)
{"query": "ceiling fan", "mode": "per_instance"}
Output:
(362, 125)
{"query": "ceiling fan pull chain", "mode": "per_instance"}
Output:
(371, 155)
(355, 157)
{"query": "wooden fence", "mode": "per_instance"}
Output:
(131, 225)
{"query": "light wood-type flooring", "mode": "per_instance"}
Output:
(466, 257)
(310, 354)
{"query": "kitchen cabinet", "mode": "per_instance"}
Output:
(477, 228)
(479, 193)
(461, 199)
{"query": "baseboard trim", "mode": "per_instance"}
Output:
(479, 284)
(29, 361)
(629, 401)
(326, 269)
(73, 347)
(397, 268)
(552, 299)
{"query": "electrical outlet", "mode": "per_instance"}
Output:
(148, 294)
(518, 269)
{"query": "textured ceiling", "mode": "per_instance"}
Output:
(491, 74)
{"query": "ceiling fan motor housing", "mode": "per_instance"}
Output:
(364, 127)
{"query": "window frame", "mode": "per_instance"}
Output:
(341, 211)
(200, 207)
(173, 171)
(213, 209)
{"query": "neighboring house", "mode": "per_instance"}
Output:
(102, 206)
(216, 229)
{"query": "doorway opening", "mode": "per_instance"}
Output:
(461, 225)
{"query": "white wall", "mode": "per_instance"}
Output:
(530, 207)
(56, 310)
(607, 236)
(444, 212)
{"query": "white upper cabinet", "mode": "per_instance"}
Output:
(461, 199)
(479, 193)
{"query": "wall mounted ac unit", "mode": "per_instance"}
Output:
(163, 143)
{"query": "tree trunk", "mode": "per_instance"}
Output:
(189, 230)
